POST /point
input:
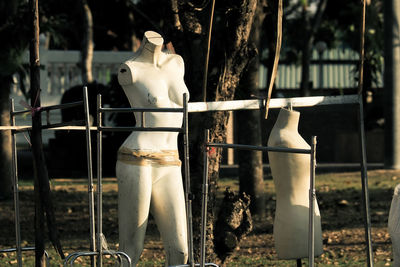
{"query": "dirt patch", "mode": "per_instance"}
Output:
(341, 213)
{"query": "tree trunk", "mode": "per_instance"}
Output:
(229, 56)
(251, 175)
(305, 85)
(43, 202)
(87, 44)
(5, 140)
(309, 30)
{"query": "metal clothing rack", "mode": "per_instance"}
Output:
(20, 129)
(309, 102)
(96, 239)
(142, 127)
(311, 152)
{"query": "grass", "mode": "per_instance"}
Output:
(339, 199)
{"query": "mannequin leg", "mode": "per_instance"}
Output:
(134, 196)
(168, 209)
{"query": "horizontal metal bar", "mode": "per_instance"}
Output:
(11, 250)
(47, 108)
(261, 148)
(62, 106)
(140, 129)
(121, 110)
(8, 250)
(20, 112)
(15, 128)
(274, 103)
(61, 124)
(73, 256)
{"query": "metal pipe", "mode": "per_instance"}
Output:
(128, 259)
(48, 108)
(364, 183)
(311, 231)
(90, 176)
(262, 148)
(62, 106)
(61, 124)
(74, 256)
(99, 185)
(188, 194)
(141, 119)
(204, 201)
(140, 129)
(15, 187)
(124, 110)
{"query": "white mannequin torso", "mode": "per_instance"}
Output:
(148, 167)
(154, 79)
(291, 174)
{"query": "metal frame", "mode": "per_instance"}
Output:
(309, 102)
(221, 106)
(312, 153)
(142, 127)
(18, 129)
(96, 240)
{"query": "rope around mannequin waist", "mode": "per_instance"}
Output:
(149, 158)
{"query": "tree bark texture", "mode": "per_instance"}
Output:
(5, 140)
(229, 56)
(43, 203)
(251, 175)
(310, 27)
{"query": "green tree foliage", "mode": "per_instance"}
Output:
(13, 33)
(340, 27)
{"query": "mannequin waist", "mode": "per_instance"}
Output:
(142, 157)
(152, 141)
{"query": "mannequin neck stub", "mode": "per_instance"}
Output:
(288, 119)
(150, 50)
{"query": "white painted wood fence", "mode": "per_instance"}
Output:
(61, 71)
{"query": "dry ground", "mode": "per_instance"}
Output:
(338, 197)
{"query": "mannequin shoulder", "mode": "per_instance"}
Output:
(125, 73)
(174, 61)
(287, 139)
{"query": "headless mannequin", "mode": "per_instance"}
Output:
(394, 225)
(148, 167)
(291, 174)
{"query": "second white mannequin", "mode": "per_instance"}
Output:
(291, 174)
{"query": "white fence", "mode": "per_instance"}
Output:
(60, 71)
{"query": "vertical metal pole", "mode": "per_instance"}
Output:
(142, 119)
(188, 197)
(15, 187)
(364, 182)
(204, 202)
(311, 232)
(90, 176)
(99, 185)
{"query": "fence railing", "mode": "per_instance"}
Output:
(61, 71)
(332, 69)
